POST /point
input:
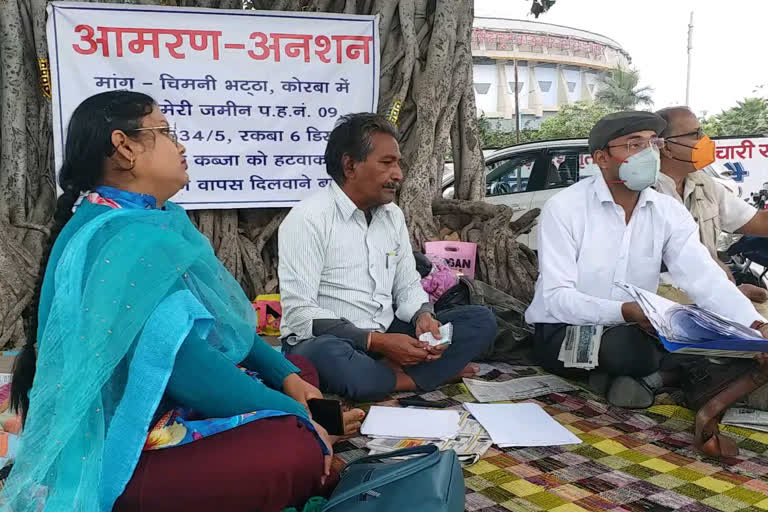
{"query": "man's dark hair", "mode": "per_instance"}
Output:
(668, 114)
(352, 136)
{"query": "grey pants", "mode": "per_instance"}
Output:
(361, 376)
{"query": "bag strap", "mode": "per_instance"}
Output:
(430, 453)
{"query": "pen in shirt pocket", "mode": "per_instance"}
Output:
(390, 254)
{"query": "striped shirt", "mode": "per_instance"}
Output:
(334, 265)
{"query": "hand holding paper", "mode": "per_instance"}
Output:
(446, 334)
(694, 330)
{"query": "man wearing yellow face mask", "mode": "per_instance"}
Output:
(715, 209)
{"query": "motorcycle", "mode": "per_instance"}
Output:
(749, 261)
(747, 257)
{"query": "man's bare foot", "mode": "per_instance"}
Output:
(754, 293)
(469, 371)
(353, 418)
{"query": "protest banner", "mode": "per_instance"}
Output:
(253, 95)
(746, 159)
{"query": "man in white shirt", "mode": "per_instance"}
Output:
(351, 297)
(686, 151)
(612, 227)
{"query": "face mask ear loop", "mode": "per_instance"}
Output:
(619, 182)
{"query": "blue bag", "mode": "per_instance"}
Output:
(431, 481)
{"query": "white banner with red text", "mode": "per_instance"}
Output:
(253, 95)
(746, 161)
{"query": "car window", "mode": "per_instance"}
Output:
(566, 167)
(509, 175)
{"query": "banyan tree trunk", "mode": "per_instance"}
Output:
(426, 67)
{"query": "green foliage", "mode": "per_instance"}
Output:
(619, 90)
(574, 120)
(748, 117)
(492, 139)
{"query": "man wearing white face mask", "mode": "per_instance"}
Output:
(613, 227)
(686, 151)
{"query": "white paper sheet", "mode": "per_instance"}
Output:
(523, 424)
(397, 422)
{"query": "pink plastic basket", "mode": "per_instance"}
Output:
(460, 256)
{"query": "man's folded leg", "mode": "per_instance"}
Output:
(344, 370)
(474, 328)
(628, 367)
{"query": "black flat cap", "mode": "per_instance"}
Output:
(619, 124)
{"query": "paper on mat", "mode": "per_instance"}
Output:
(517, 389)
(746, 418)
(523, 424)
(446, 335)
(472, 440)
(397, 422)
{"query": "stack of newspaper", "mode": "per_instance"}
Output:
(517, 389)
(746, 418)
(581, 346)
(694, 330)
(470, 444)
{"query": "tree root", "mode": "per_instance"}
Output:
(502, 261)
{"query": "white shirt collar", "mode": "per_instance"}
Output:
(347, 208)
(604, 195)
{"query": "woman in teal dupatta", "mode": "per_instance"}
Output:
(137, 317)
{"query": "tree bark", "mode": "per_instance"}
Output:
(426, 64)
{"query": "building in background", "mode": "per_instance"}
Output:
(556, 65)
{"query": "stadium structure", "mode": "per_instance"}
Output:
(556, 65)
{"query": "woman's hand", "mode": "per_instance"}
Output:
(300, 390)
(328, 442)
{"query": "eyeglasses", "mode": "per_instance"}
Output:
(636, 145)
(698, 133)
(165, 130)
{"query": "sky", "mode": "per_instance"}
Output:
(729, 43)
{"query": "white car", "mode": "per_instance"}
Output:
(525, 176)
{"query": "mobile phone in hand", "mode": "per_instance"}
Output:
(328, 414)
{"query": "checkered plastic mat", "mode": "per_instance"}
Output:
(628, 461)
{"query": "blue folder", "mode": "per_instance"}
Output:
(726, 344)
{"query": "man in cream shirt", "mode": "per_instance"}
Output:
(686, 151)
(613, 227)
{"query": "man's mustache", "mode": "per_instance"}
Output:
(393, 186)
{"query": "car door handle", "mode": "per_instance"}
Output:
(515, 207)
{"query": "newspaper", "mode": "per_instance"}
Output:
(746, 418)
(517, 389)
(470, 444)
(581, 346)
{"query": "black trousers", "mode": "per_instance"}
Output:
(624, 350)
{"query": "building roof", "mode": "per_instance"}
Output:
(537, 27)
